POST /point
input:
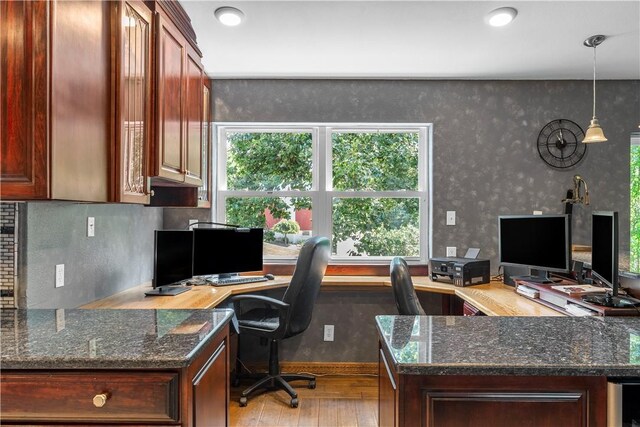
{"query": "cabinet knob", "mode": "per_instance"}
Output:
(99, 400)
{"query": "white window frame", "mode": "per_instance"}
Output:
(321, 193)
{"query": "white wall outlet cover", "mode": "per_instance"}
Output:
(192, 222)
(328, 332)
(537, 212)
(451, 251)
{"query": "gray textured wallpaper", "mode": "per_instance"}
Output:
(118, 257)
(485, 161)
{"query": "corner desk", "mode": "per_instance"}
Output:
(493, 299)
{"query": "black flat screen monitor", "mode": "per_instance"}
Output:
(225, 251)
(540, 242)
(604, 260)
(173, 261)
(604, 248)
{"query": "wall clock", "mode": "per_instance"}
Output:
(560, 144)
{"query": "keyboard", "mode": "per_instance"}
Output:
(237, 280)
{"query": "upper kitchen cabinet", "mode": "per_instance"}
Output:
(55, 106)
(132, 50)
(101, 101)
(179, 103)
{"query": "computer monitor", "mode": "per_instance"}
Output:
(540, 242)
(604, 249)
(604, 259)
(226, 251)
(172, 261)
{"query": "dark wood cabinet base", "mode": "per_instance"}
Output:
(492, 401)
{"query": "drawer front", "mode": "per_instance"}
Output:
(103, 396)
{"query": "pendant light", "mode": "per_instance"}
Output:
(594, 131)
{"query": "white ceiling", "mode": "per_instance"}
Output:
(418, 39)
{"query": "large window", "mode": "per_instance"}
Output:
(364, 186)
(634, 259)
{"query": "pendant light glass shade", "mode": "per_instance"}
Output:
(594, 132)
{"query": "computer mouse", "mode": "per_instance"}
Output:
(269, 276)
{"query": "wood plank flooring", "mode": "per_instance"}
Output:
(336, 401)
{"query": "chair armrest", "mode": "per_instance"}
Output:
(282, 307)
(276, 303)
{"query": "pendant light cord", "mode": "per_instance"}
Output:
(594, 82)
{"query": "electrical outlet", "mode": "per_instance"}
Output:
(59, 275)
(451, 217)
(91, 226)
(191, 222)
(537, 212)
(451, 251)
(328, 332)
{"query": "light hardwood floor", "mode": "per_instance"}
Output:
(336, 401)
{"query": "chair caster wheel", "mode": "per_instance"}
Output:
(243, 401)
(294, 402)
(312, 384)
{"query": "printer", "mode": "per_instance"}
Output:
(460, 271)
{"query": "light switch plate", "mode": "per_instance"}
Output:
(91, 226)
(451, 217)
(59, 275)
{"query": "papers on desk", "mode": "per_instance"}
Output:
(578, 289)
(578, 310)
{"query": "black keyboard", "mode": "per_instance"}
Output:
(237, 280)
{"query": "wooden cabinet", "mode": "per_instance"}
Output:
(486, 400)
(93, 112)
(387, 393)
(179, 77)
(55, 117)
(132, 50)
(204, 192)
(197, 395)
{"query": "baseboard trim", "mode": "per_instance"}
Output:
(322, 368)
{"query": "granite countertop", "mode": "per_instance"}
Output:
(457, 345)
(106, 339)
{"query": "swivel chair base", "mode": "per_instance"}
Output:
(274, 380)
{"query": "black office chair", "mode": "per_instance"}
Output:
(281, 319)
(403, 291)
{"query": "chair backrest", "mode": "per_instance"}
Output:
(403, 291)
(305, 283)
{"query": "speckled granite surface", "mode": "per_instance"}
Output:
(448, 345)
(105, 339)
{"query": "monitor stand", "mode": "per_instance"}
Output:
(163, 291)
(609, 300)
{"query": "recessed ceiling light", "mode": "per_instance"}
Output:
(501, 17)
(229, 16)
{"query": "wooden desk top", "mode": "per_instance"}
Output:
(197, 297)
(494, 299)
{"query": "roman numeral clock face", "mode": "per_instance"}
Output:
(560, 144)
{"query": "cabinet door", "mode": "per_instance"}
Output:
(24, 142)
(194, 118)
(169, 150)
(204, 194)
(132, 49)
(210, 390)
(387, 392)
